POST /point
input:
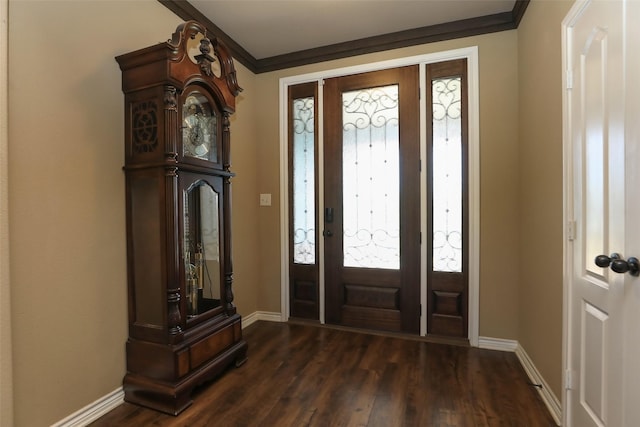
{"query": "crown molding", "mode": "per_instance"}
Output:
(433, 33)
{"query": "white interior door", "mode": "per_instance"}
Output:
(603, 304)
(631, 299)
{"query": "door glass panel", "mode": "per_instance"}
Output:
(370, 184)
(304, 244)
(447, 174)
(595, 157)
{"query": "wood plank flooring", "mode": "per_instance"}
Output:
(306, 375)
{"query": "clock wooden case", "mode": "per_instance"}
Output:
(183, 326)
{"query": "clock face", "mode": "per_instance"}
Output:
(199, 128)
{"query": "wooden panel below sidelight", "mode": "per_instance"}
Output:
(447, 317)
(447, 303)
(304, 290)
(304, 293)
(451, 326)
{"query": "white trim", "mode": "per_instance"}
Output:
(93, 411)
(473, 73)
(284, 205)
(549, 399)
(497, 344)
(269, 316)
(567, 206)
(471, 54)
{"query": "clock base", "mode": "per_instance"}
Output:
(163, 377)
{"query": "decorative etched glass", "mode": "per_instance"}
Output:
(447, 174)
(304, 230)
(370, 178)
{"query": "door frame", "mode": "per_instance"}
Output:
(471, 54)
(567, 205)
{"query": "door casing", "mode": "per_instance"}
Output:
(471, 54)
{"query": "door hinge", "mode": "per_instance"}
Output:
(571, 230)
(419, 165)
(569, 79)
(568, 380)
(420, 237)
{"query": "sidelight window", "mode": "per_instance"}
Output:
(303, 132)
(447, 174)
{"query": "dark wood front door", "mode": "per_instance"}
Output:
(372, 195)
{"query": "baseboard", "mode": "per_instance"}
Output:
(94, 410)
(497, 344)
(261, 315)
(549, 399)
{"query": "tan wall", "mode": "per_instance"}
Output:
(66, 198)
(499, 174)
(245, 144)
(540, 56)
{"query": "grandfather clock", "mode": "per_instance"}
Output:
(183, 325)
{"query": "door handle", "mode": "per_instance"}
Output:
(619, 265)
(631, 265)
(328, 215)
(327, 233)
(605, 261)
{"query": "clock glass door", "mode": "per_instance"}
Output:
(201, 246)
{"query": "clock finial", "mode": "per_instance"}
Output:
(204, 59)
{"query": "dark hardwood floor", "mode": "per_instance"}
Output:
(306, 375)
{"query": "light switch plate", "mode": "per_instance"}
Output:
(265, 199)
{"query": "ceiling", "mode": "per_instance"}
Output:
(266, 35)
